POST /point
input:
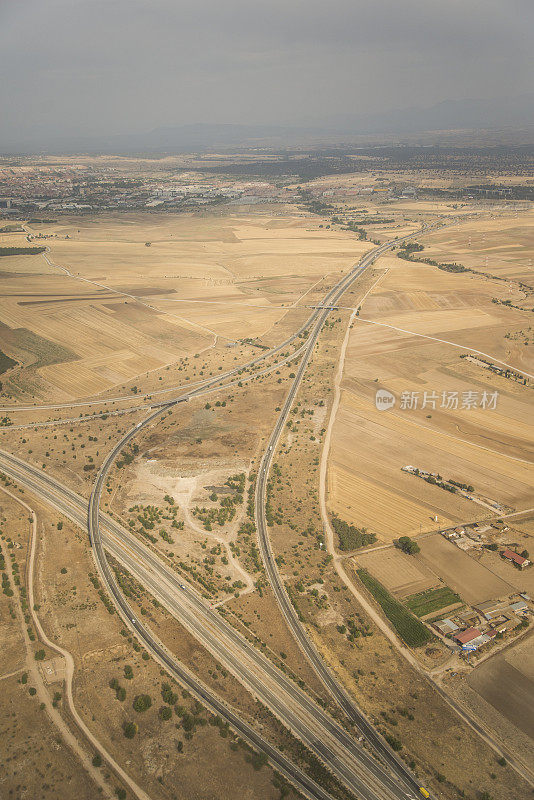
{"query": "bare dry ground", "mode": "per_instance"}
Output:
(165, 757)
(36, 762)
(506, 681)
(240, 262)
(501, 244)
(521, 580)
(446, 754)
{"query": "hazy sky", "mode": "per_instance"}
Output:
(118, 66)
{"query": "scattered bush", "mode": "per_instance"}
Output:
(142, 702)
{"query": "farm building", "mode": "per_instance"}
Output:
(519, 608)
(467, 636)
(515, 558)
(463, 542)
(491, 609)
(484, 638)
(446, 627)
(469, 618)
(507, 624)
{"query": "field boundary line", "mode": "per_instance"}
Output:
(445, 341)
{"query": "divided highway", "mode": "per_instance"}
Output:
(297, 629)
(62, 499)
(355, 767)
(361, 773)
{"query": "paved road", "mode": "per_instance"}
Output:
(406, 778)
(78, 514)
(181, 388)
(206, 387)
(340, 765)
(327, 739)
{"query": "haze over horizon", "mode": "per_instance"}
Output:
(87, 69)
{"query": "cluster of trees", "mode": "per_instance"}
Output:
(142, 703)
(350, 537)
(437, 480)
(408, 249)
(250, 496)
(6, 586)
(120, 691)
(102, 594)
(272, 515)
(128, 456)
(407, 545)
(148, 516)
(412, 247)
(227, 505)
(467, 487)
(362, 233)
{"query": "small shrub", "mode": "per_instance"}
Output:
(129, 729)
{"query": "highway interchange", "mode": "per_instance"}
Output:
(369, 778)
(268, 683)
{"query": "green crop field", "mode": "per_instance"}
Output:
(409, 628)
(21, 251)
(6, 362)
(425, 603)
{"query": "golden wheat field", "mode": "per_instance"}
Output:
(121, 295)
(409, 339)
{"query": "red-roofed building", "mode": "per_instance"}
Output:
(515, 558)
(464, 637)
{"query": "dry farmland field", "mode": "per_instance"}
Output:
(124, 309)
(473, 581)
(122, 295)
(507, 683)
(410, 335)
(398, 572)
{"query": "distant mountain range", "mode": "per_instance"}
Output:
(503, 113)
(516, 112)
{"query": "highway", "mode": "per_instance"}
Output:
(361, 773)
(298, 631)
(354, 766)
